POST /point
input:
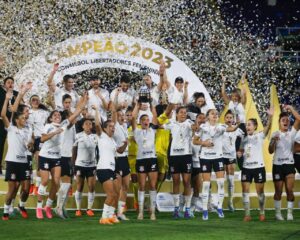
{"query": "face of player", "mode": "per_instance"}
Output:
(179, 86)
(9, 84)
(129, 116)
(181, 115)
(235, 97)
(67, 104)
(21, 121)
(250, 127)
(145, 122)
(124, 86)
(69, 85)
(87, 126)
(35, 102)
(200, 119)
(95, 83)
(121, 117)
(213, 116)
(26, 112)
(110, 129)
(284, 124)
(200, 101)
(147, 80)
(229, 119)
(56, 117)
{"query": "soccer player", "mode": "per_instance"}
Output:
(84, 159)
(146, 161)
(50, 156)
(297, 152)
(17, 167)
(253, 164)
(229, 155)
(283, 162)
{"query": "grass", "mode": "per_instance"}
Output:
(232, 227)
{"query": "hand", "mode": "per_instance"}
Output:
(186, 84)
(125, 143)
(162, 68)
(2, 61)
(30, 146)
(287, 108)
(239, 154)
(55, 67)
(118, 91)
(276, 138)
(28, 85)
(9, 94)
(270, 111)
(223, 78)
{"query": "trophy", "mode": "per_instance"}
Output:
(144, 95)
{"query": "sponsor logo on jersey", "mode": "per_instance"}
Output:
(244, 177)
(13, 176)
(141, 169)
(46, 165)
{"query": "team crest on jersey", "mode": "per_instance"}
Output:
(142, 169)
(121, 173)
(244, 177)
(153, 166)
(13, 176)
(260, 176)
(78, 173)
(189, 166)
(277, 176)
(220, 165)
(46, 165)
(27, 173)
(204, 168)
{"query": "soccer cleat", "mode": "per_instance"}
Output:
(247, 218)
(152, 216)
(290, 217)
(231, 207)
(262, 218)
(31, 189)
(23, 212)
(39, 213)
(5, 217)
(78, 213)
(205, 215)
(59, 212)
(90, 212)
(11, 212)
(279, 217)
(122, 217)
(35, 190)
(140, 216)
(114, 219)
(105, 221)
(65, 212)
(48, 212)
(187, 213)
(220, 213)
(176, 214)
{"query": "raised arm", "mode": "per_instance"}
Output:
(169, 110)
(223, 91)
(104, 102)
(80, 107)
(269, 123)
(134, 115)
(50, 81)
(272, 145)
(186, 93)
(154, 115)
(97, 121)
(122, 148)
(23, 90)
(114, 113)
(292, 110)
(5, 120)
(243, 90)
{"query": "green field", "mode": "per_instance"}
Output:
(232, 227)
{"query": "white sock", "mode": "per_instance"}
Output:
(152, 200)
(62, 195)
(220, 183)
(31, 178)
(49, 202)
(194, 200)
(277, 204)
(111, 211)
(121, 207)
(261, 199)
(246, 203)
(181, 202)
(105, 212)
(176, 200)
(12, 203)
(78, 197)
(290, 206)
(39, 204)
(187, 201)
(21, 204)
(141, 199)
(205, 194)
(37, 181)
(230, 180)
(6, 209)
(91, 198)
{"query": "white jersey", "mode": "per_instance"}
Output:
(120, 136)
(229, 139)
(145, 140)
(52, 147)
(297, 140)
(17, 140)
(68, 141)
(37, 118)
(156, 94)
(107, 152)
(253, 150)
(238, 111)
(214, 134)
(86, 149)
(124, 97)
(60, 92)
(97, 102)
(284, 147)
(175, 96)
(181, 137)
(196, 150)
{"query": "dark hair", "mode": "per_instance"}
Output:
(229, 112)
(129, 109)
(179, 108)
(21, 108)
(41, 106)
(105, 124)
(209, 110)
(282, 115)
(179, 79)
(83, 120)
(197, 95)
(67, 77)
(237, 91)
(94, 78)
(8, 78)
(254, 121)
(64, 114)
(200, 114)
(16, 116)
(51, 115)
(143, 115)
(66, 96)
(125, 79)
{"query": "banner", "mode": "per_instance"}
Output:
(107, 50)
